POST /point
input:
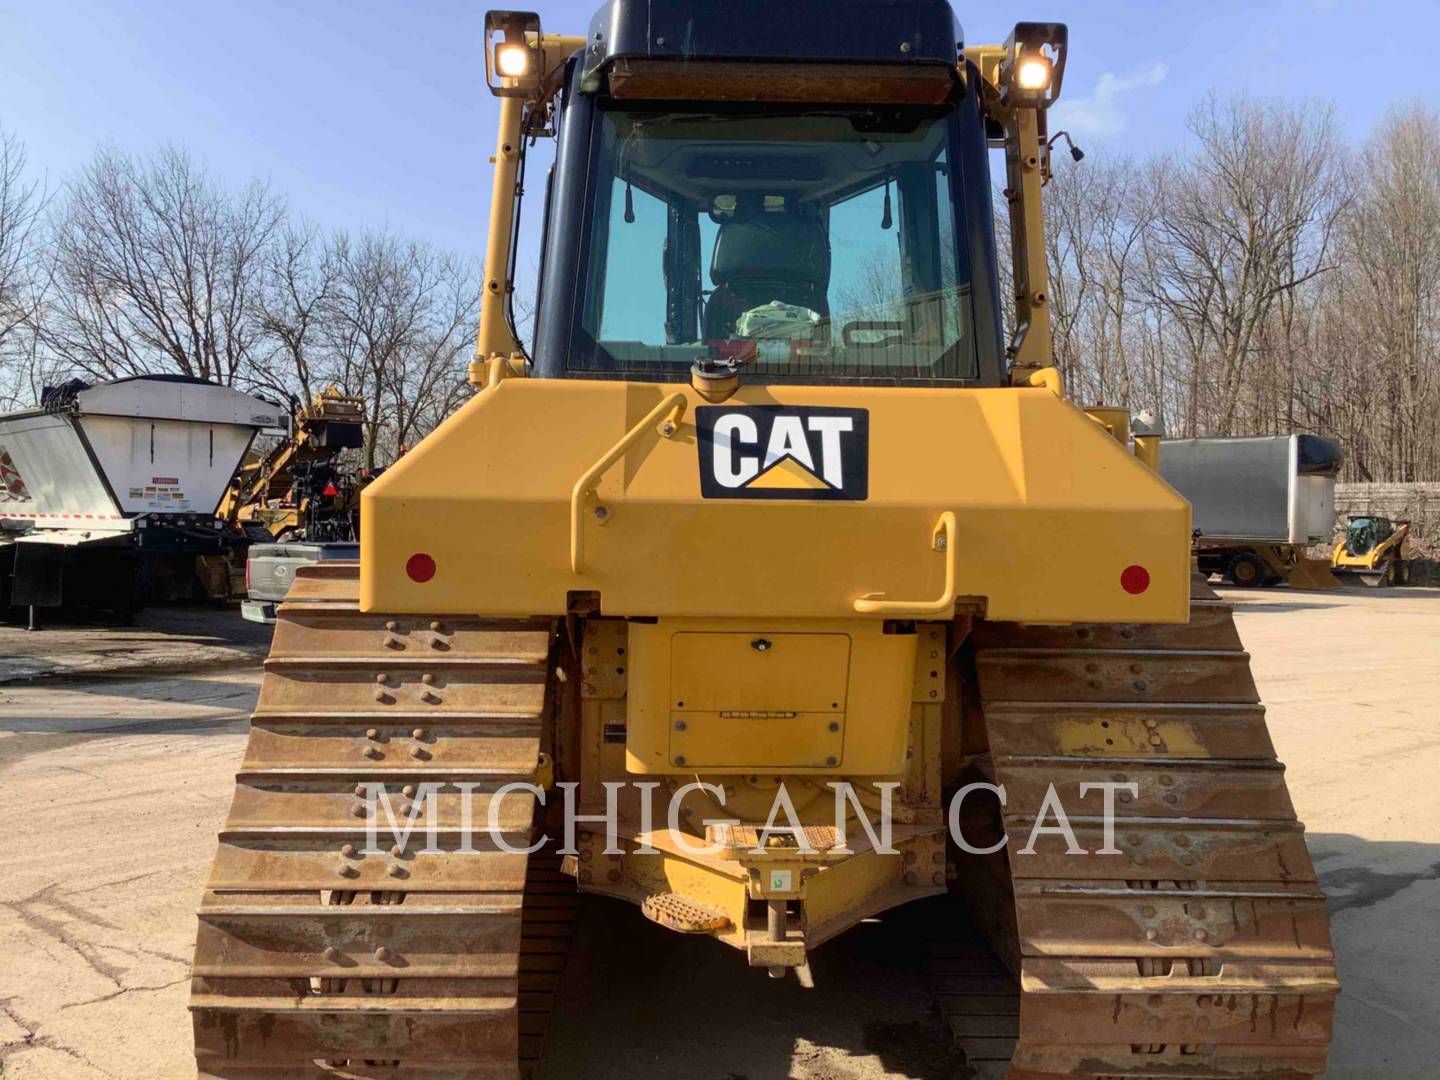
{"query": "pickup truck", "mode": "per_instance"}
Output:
(270, 568)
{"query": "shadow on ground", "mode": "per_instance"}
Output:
(641, 1001)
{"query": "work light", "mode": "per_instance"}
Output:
(1033, 72)
(512, 60)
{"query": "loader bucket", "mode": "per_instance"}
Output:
(1312, 574)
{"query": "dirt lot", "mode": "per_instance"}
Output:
(114, 788)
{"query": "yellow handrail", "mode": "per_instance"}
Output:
(942, 541)
(675, 405)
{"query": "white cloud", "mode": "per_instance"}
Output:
(1100, 113)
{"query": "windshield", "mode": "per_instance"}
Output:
(816, 244)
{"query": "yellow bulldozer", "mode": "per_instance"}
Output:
(773, 588)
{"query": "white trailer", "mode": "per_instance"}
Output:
(1257, 502)
(98, 476)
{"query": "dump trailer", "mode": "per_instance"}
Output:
(103, 486)
(1258, 502)
(773, 539)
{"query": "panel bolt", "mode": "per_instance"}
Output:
(601, 513)
(585, 876)
(941, 543)
(382, 678)
(372, 733)
(680, 760)
(428, 679)
(1148, 911)
(938, 879)
(360, 791)
(331, 953)
(834, 726)
(358, 810)
(392, 626)
(418, 733)
(396, 851)
(347, 850)
(904, 46)
(1135, 669)
(831, 761)
(1141, 684)
(437, 626)
(613, 875)
(1151, 934)
(408, 791)
(912, 878)
(679, 725)
(382, 954)
(371, 752)
(1201, 935)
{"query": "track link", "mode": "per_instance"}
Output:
(320, 955)
(1199, 948)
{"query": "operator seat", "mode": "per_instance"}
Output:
(766, 257)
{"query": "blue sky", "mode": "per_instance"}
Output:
(370, 113)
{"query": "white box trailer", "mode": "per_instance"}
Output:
(98, 475)
(1257, 501)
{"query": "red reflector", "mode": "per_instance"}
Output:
(330, 490)
(1134, 579)
(420, 567)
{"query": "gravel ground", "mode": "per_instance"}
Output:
(166, 638)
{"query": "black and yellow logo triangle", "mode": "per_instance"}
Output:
(787, 474)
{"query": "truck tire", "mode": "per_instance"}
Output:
(1246, 571)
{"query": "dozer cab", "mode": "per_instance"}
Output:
(770, 590)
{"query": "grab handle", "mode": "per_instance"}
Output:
(675, 406)
(943, 541)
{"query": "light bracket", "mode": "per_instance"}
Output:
(512, 28)
(1028, 41)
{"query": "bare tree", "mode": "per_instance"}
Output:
(1250, 217)
(298, 283)
(22, 204)
(158, 268)
(1392, 258)
(397, 325)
